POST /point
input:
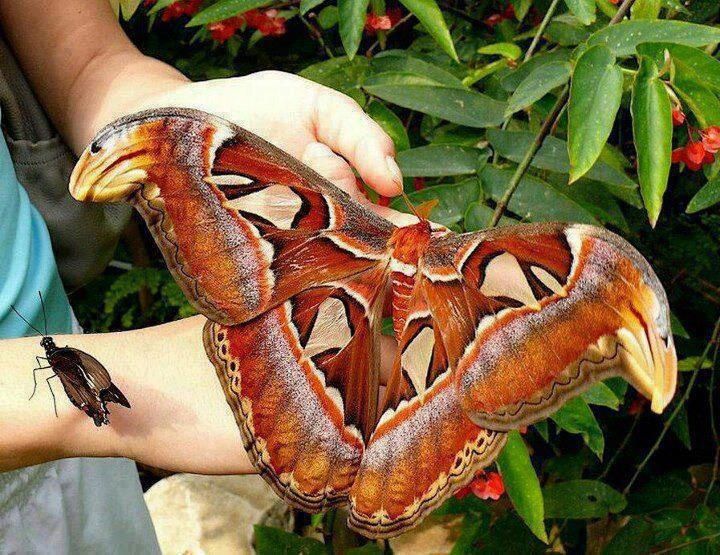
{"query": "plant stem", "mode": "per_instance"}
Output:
(713, 425)
(317, 34)
(544, 132)
(691, 542)
(528, 158)
(678, 408)
(621, 448)
(541, 30)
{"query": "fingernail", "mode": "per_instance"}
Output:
(318, 150)
(394, 170)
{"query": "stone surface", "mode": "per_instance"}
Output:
(196, 514)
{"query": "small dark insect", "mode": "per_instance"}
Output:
(86, 381)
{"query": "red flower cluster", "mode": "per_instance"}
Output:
(497, 18)
(179, 9)
(696, 154)
(267, 22)
(678, 117)
(486, 485)
(374, 23)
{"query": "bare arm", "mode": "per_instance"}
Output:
(179, 418)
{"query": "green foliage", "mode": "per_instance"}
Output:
(463, 99)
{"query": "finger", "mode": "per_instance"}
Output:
(400, 219)
(333, 168)
(341, 124)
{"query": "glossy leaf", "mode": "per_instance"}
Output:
(522, 485)
(660, 491)
(429, 14)
(439, 160)
(581, 499)
(453, 200)
(224, 9)
(351, 20)
(706, 197)
(652, 133)
(553, 156)
(513, 79)
(646, 9)
(534, 200)
(702, 101)
(601, 395)
(692, 62)
(595, 96)
(391, 124)
(625, 36)
(584, 10)
(537, 84)
(577, 418)
(464, 107)
(637, 536)
(399, 61)
(341, 74)
(508, 50)
(478, 215)
(307, 5)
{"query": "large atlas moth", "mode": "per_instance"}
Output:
(495, 329)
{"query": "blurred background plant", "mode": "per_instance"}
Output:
(468, 90)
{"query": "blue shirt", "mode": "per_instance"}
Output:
(74, 505)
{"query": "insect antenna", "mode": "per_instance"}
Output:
(42, 303)
(411, 206)
(15, 310)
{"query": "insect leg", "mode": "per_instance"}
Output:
(39, 367)
(53, 393)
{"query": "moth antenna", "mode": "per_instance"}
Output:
(15, 310)
(42, 303)
(411, 206)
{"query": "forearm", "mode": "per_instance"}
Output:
(179, 419)
(81, 64)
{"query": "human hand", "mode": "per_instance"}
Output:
(323, 128)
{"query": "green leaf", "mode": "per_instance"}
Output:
(600, 394)
(660, 491)
(224, 9)
(678, 330)
(453, 200)
(521, 484)
(701, 100)
(691, 62)
(681, 428)
(577, 418)
(439, 160)
(584, 10)
(271, 541)
(464, 107)
(351, 19)
(328, 17)
(706, 197)
(159, 5)
(508, 50)
(637, 536)
(581, 499)
(521, 8)
(391, 124)
(625, 36)
(307, 5)
(646, 9)
(690, 364)
(400, 61)
(553, 156)
(652, 132)
(429, 14)
(534, 200)
(478, 215)
(513, 79)
(595, 95)
(537, 84)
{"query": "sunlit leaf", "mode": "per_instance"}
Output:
(584, 10)
(351, 20)
(391, 124)
(537, 84)
(652, 132)
(439, 160)
(429, 14)
(521, 484)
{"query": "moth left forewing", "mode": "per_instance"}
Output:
(579, 304)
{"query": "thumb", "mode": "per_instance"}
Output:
(331, 166)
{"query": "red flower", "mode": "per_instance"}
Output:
(223, 30)
(694, 155)
(614, 1)
(509, 12)
(418, 183)
(637, 405)
(267, 22)
(494, 19)
(180, 8)
(711, 138)
(377, 23)
(678, 117)
(486, 485)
